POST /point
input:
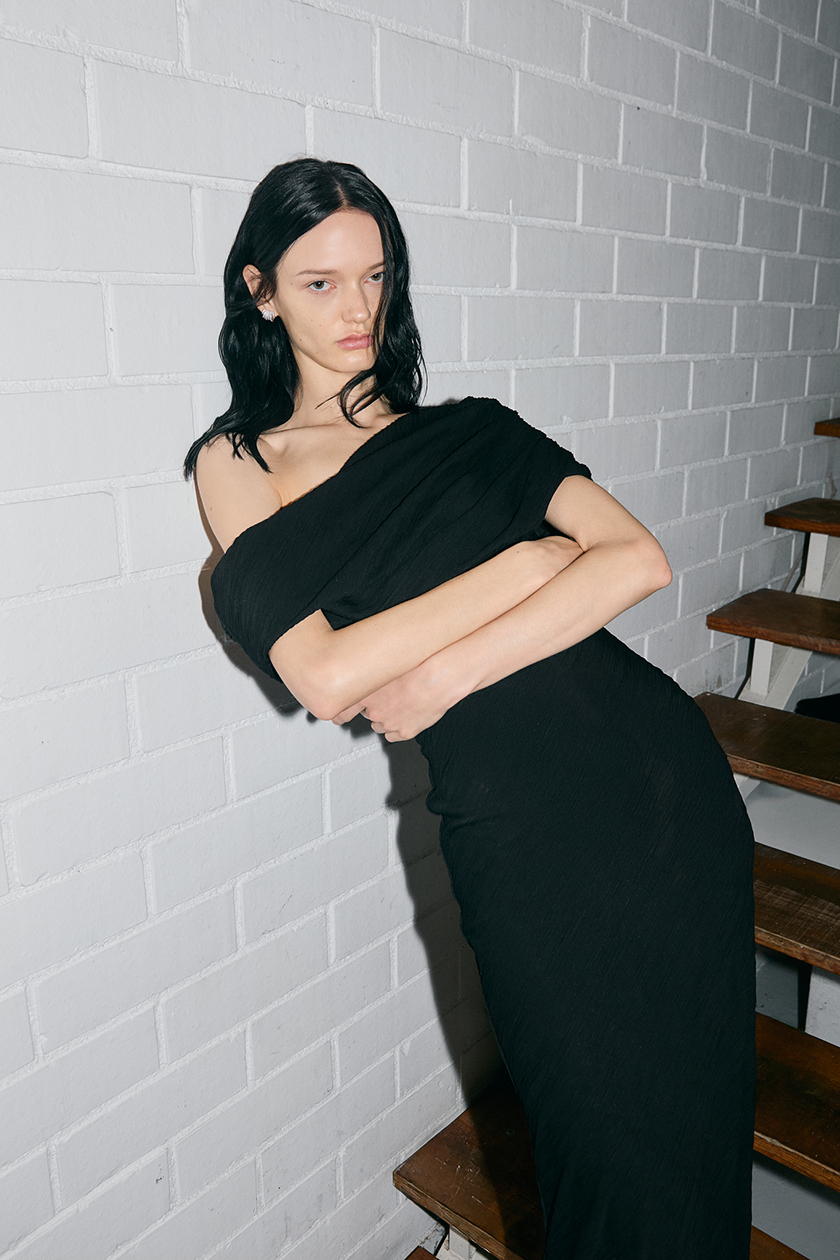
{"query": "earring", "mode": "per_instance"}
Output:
(268, 313)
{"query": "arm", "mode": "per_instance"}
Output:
(621, 564)
(329, 670)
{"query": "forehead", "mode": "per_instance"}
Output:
(344, 239)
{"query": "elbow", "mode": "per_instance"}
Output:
(659, 570)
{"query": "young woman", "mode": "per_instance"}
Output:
(448, 572)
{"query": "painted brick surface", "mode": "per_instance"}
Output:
(233, 990)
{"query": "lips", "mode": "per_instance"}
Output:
(356, 343)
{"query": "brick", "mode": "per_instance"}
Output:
(433, 944)
(408, 163)
(686, 23)
(716, 486)
(151, 30)
(652, 499)
(294, 1216)
(737, 161)
(658, 142)
(823, 137)
(399, 1130)
(670, 647)
(618, 199)
(773, 471)
(702, 214)
(65, 1089)
(136, 108)
(617, 449)
(760, 329)
(824, 375)
(163, 526)
(389, 903)
(443, 386)
(520, 181)
(150, 1116)
(55, 738)
(382, 1029)
(25, 1200)
(769, 561)
(15, 1037)
(770, 225)
(437, 1048)
(613, 328)
(123, 1210)
(443, 16)
(166, 328)
(344, 1113)
(814, 329)
(45, 215)
(565, 261)
(233, 992)
(49, 330)
(709, 92)
(453, 90)
(788, 280)
(216, 850)
(743, 526)
(319, 1010)
(713, 671)
(687, 543)
(567, 117)
(776, 115)
(654, 267)
(438, 318)
(543, 34)
(709, 585)
(54, 834)
(30, 118)
(721, 382)
(632, 64)
(51, 924)
(197, 1228)
(358, 788)
(783, 376)
(742, 40)
(278, 44)
(306, 881)
(799, 15)
(817, 465)
(81, 635)
(698, 328)
(219, 217)
(79, 997)
(728, 274)
(828, 32)
(88, 434)
(265, 1110)
(267, 752)
(58, 542)
(455, 251)
(519, 327)
(797, 177)
(800, 418)
(686, 440)
(755, 429)
(805, 69)
(828, 282)
(549, 397)
(645, 388)
(657, 609)
(832, 188)
(820, 234)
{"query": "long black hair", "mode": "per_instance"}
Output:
(258, 358)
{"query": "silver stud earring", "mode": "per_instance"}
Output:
(268, 313)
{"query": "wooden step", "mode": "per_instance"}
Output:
(478, 1176)
(810, 516)
(798, 752)
(797, 907)
(827, 428)
(801, 621)
(420, 1253)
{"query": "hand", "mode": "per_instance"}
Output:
(409, 704)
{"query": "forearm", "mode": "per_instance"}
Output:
(329, 670)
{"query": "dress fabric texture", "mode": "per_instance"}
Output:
(596, 842)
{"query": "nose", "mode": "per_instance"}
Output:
(357, 309)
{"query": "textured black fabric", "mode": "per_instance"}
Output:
(595, 839)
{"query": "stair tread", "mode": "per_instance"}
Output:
(797, 907)
(478, 1173)
(420, 1253)
(801, 621)
(814, 516)
(772, 744)
(828, 428)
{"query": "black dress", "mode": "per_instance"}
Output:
(595, 839)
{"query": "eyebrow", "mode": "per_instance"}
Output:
(325, 271)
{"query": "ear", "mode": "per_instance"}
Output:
(252, 278)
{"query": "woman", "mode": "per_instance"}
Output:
(447, 572)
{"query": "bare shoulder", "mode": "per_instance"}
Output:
(235, 492)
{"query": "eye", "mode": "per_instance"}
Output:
(377, 277)
(319, 286)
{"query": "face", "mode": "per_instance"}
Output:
(329, 285)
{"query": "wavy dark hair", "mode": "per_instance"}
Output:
(257, 355)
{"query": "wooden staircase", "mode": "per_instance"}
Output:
(477, 1175)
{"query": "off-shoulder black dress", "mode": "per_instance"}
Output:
(595, 839)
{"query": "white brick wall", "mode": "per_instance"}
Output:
(232, 988)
